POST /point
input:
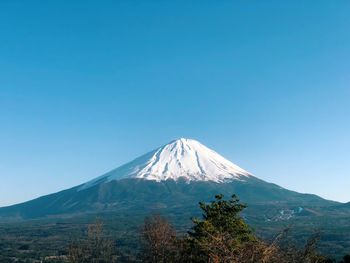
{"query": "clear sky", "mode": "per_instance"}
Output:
(86, 86)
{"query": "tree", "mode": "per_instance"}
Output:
(76, 253)
(95, 249)
(100, 248)
(286, 251)
(222, 235)
(158, 240)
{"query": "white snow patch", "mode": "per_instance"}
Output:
(182, 158)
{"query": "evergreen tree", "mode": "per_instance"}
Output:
(221, 235)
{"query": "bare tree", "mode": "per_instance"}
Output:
(158, 240)
(76, 253)
(95, 249)
(283, 250)
(100, 248)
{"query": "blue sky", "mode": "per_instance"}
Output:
(86, 86)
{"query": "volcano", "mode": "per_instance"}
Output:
(172, 177)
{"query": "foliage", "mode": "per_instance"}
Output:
(222, 233)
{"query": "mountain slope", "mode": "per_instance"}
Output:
(131, 194)
(176, 175)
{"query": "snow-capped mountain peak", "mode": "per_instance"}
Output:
(182, 158)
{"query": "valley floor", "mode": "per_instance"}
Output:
(49, 240)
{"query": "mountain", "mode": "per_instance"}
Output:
(172, 180)
(176, 175)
